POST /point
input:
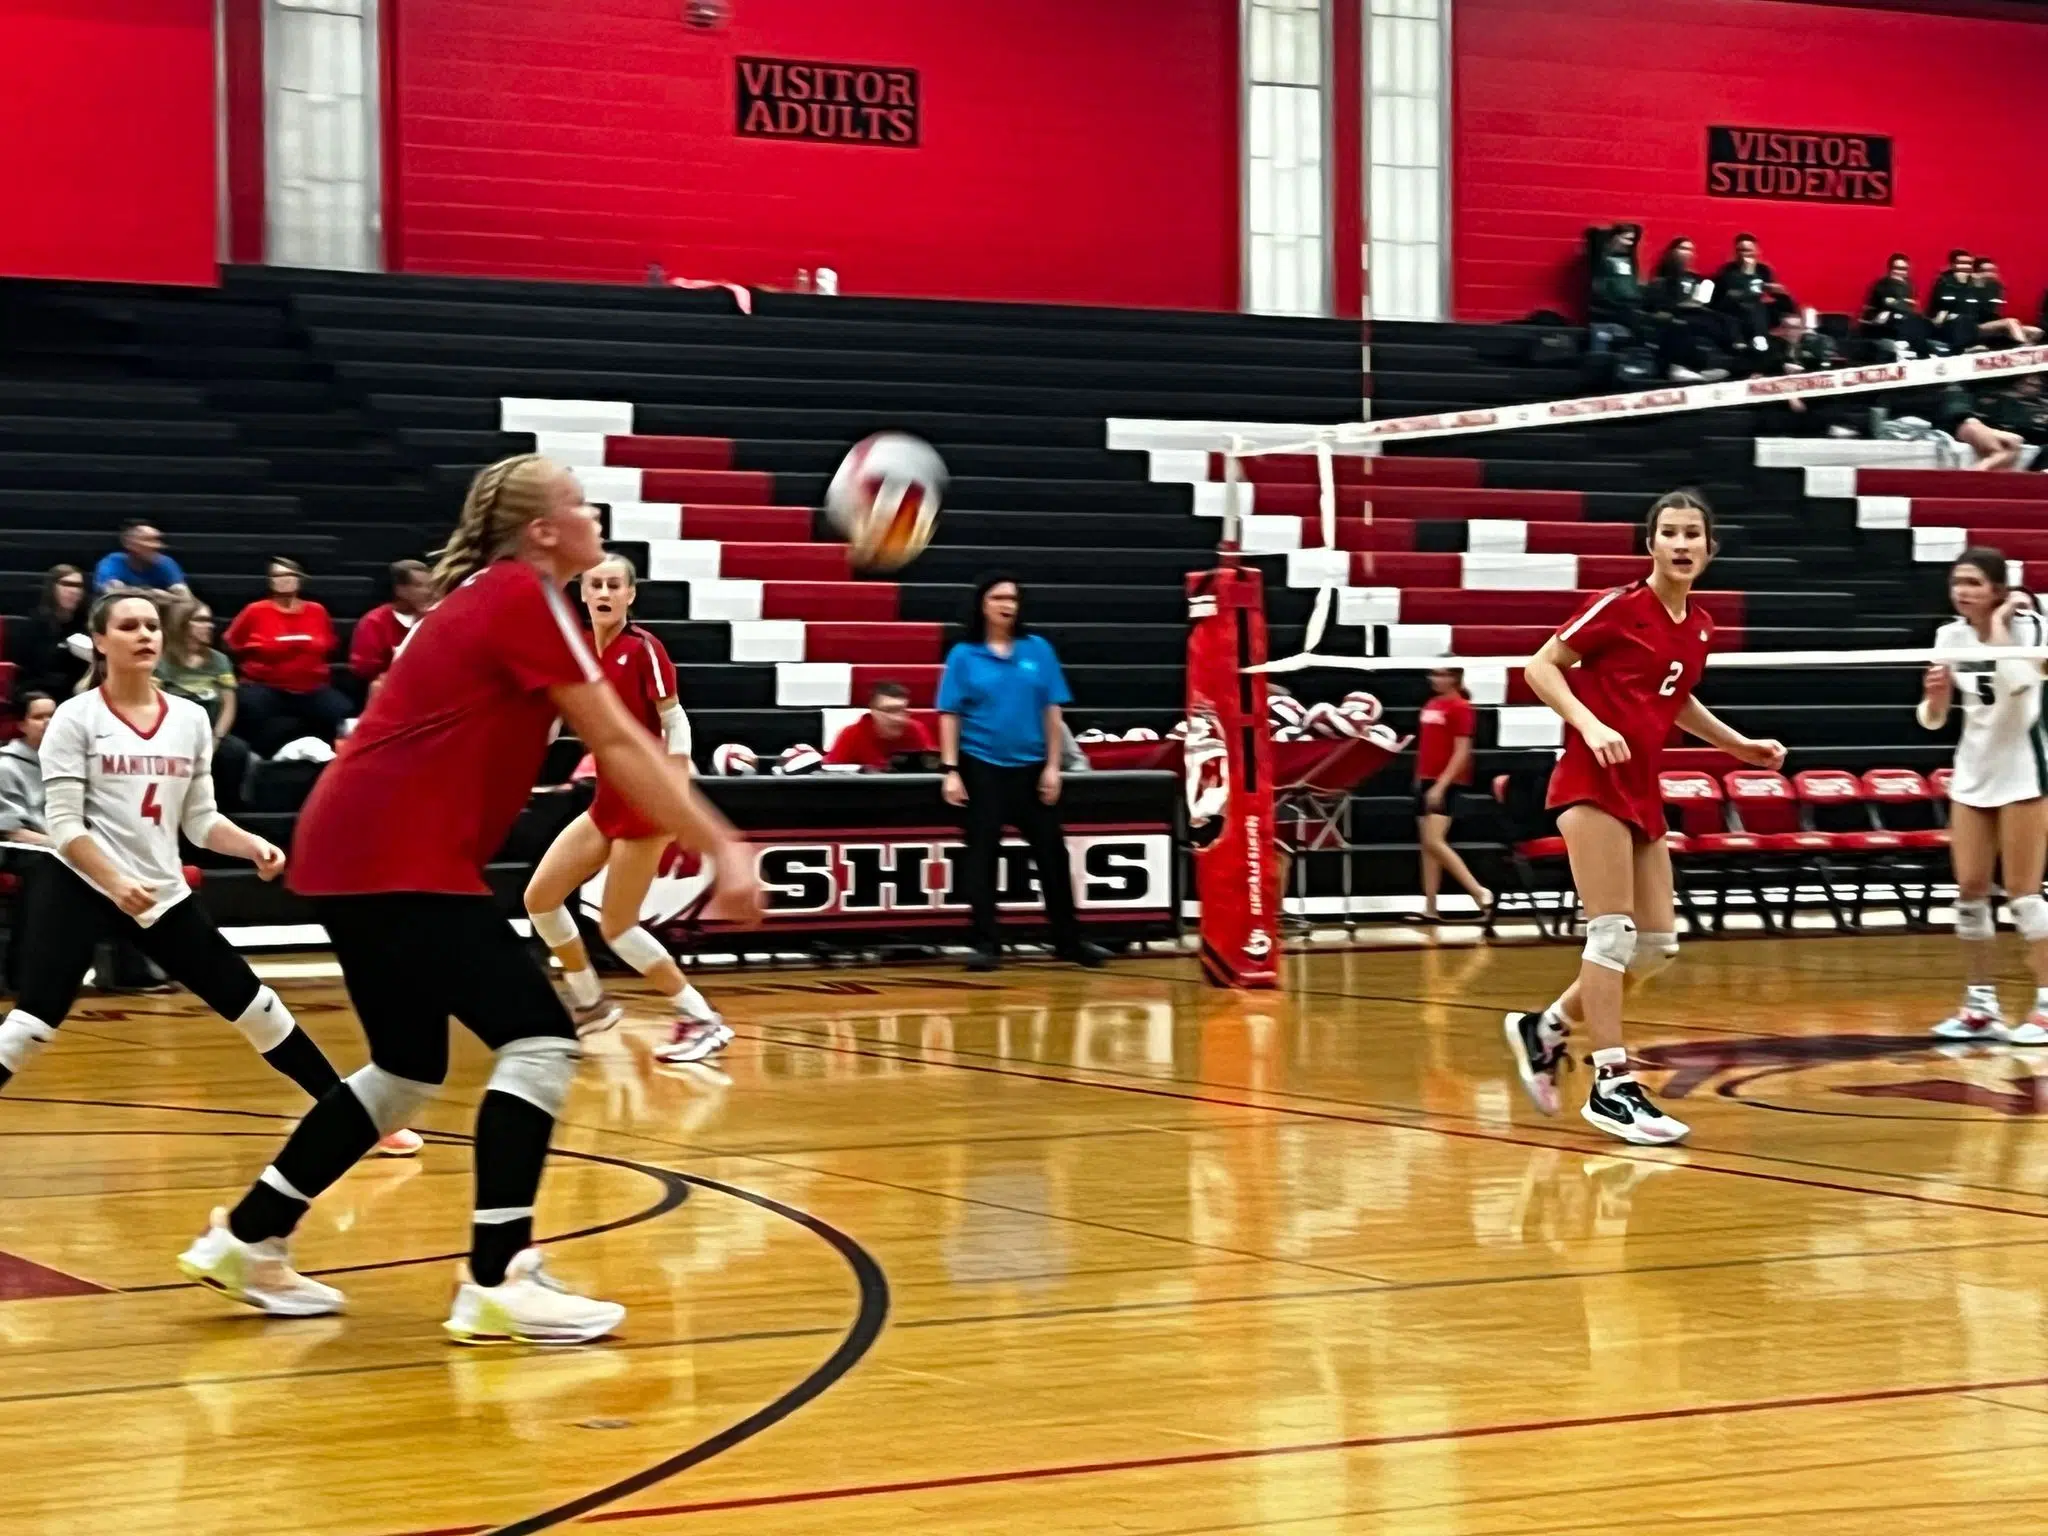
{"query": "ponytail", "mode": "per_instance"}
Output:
(503, 498)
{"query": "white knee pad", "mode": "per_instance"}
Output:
(1973, 918)
(1611, 941)
(555, 926)
(22, 1034)
(1655, 954)
(538, 1069)
(266, 1023)
(389, 1100)
(2030, 916)
(638, 948)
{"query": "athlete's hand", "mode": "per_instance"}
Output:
(1433, 797)
(1049, 785)
(954, 788)
(1760, 754)
(736, 895)
(1939, 687)
(132, 896)
(1609, 746)
(268, 859)
(2017, 601)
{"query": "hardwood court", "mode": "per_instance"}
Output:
(1061, 1252)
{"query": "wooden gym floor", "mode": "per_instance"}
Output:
(1073, 1253)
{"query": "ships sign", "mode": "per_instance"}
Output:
(827, 103)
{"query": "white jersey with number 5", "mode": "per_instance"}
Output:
(136, 784)
(2002, 756)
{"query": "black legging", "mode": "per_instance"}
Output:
(996, 796)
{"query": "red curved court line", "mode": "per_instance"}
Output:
(1267, 1452)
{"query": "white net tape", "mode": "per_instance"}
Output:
(1237, 441)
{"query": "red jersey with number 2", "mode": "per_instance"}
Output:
(1637, 669)
(638, 667)
(422, 794)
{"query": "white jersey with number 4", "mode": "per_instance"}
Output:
(2003, 755)
(136, 784)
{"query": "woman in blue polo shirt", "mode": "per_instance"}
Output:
(999, 746)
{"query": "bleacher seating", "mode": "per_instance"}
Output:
(336, 418)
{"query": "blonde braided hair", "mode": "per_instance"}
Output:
(503, 498)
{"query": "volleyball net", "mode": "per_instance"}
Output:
(1349, 468)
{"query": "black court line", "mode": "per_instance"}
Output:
(870, 1315)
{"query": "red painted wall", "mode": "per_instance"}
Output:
(1577, 112)
(1071, 150)
(107, 118)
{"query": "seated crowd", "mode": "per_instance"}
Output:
(266, 681)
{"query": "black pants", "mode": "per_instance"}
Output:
(266, 718)
(412, 960)
(63, 920)
(231, 758)
(996, 796)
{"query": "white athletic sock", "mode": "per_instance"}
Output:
(1611, 1062)
(2041, 999)
(691, 1005)
(584, 988)
(1983, 998)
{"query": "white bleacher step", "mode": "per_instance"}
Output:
(606, 417)
(577, 450)
(1365, 606)
(692, 560)
(1529, 725)
(1854, 452)
(648, 520)
(732, 601)
(813, 684)
(1212, 497)
(1499, 571)
(759, 640)
(1884, 511)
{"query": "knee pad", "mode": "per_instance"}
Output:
(1611, 941)
(2030, 916)
(554, 927)
(266, 1023)
(1973, 918)
(389, 1100)
(1655, 954)
(538, 1069)
(638, 948)
(22, 1034)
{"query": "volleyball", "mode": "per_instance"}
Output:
(1284, 710)
(1362, 707)
(801, 758)
(1141, 733)
(733, 760)
(884, 500)
(1332, 721)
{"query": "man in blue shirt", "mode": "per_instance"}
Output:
(1000, 739)
(140, 564)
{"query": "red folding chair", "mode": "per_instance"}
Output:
(1764, 804)
(1535, 853)
(1703, 843)
(1903, 802)
(1832, 802)
(1939, 781)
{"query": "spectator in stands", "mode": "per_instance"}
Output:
(39, 645)
(1963, 417)
(2021, 409)
(140, 564)
(885, 733)
(193, 669)
(1954, 303)
(1891, 315)
(282, 643)
(1749, 294)
(999, 743)
(21, 775)
(378, 632)
(1615, 297)
(1690, 336)
(1992, 320)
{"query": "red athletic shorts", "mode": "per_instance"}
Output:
(1628, 791)
(613, 815)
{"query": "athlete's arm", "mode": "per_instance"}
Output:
(1545, 674)
(675, 730)
(64, 804)
(631, 759)
(1698, 720)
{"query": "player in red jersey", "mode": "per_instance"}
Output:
(391, 849)
(614, 837)
(1622, 674)
(1443, 767)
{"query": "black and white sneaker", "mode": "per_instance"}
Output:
(1619, 1106)
(1539, 1052)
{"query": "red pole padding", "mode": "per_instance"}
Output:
(1228, 758)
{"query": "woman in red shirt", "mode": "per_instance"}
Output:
(1621, 674)
(391, 850)
(626, 844)
(1443, 767)
(281, 644)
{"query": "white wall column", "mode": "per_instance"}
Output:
(321, 127)
(1286, 159)
(1408, 160)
